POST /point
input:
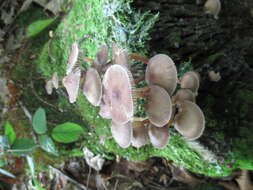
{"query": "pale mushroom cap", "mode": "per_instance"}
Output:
(55, 80)
(73, 57)
(119, 56)
(118, 84)
(159, 106)
(102, 54)
(190, 80)
(140, 136)
(159, 136)
(184, 94)
(213, 7)
(161, 71)
(49, 87)
(71, 83)
(190, 120)
(122, 134)
(92, 88)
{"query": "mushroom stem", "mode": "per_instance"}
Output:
(139, 123)
(142, 92)
(140, 79)
(138, 57)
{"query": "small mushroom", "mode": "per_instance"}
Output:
(55, 80)
(71, 83)
(119, 56)
(122, 133)
(215, 77)
(73, 57)
(92, 88)
(159, 106)
(159, 136)
(183, 94)
(102, 55)
(190, 80)
(118, 84)
(140, 136)
(49, 87)
(212, 7)
(190, 120)
(161, 71)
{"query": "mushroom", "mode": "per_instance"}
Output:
(183, 94)
(49, 87)
(71, 83)
(118, 84)
(92, 88)
(119, 56)
(122, 133)
(159, 106)
(190, 80)
(190, 120)
(212, 7)
(159, 136)
(140, 136)
(73, 57)
(55, 80)
(162, 71)
(102, 55)
(244, 181)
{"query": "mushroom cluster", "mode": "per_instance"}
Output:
(110, 84)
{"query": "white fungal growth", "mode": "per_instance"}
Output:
(206, 154)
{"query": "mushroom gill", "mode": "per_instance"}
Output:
(190, 120)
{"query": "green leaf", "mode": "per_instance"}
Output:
(22, 146)
(47, 144)
(4, 172)
(31, 164)
(37, 184)
(39, 121)
(36, 27)
(9, 132)
(67, 132)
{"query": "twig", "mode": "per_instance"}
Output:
(69, 179)
(88, 178)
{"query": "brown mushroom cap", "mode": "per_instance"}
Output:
(119, 56)
(71, 83)
(162, 71)
(122, 134)
(159, 136)
(190, 120)
(92, 88)
(159, 106)
(73, 57)
(102, 54)
(190, 80)
(118, 83)
(140, 136)
(184, 94)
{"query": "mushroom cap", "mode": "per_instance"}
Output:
(159, 136)
(159, 106)
(118, 84)
(55, 80)
(190, 120)
(92, 88)
(161, 71)
(190, 80)
(71, 83)
(140, 136)
(49, 87)
(102, 54)
(122, 133)
(73, 57)
(212, 7)
(184, 94)
(119, 55)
